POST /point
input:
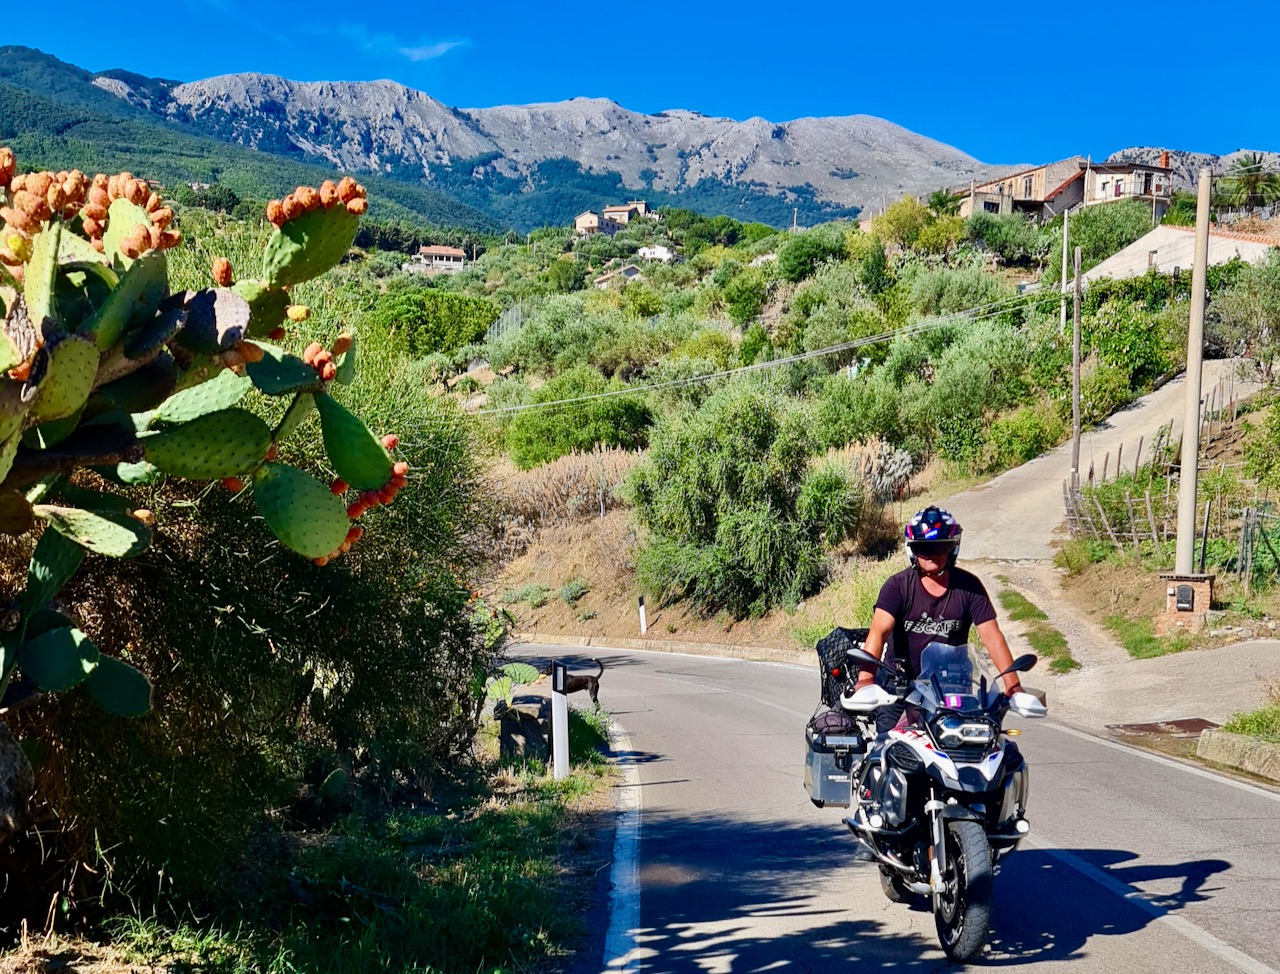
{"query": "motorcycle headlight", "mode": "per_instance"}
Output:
(952, 730)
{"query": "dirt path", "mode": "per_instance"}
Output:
(1018, 515)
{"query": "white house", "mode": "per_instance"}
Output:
(657, 252)
(592, 222)
(1167, 248)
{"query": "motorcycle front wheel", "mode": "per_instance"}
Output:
(963, 910)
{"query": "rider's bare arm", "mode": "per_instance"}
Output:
(1001, 657)
(881, 627)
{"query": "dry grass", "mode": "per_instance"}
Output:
(570, 490)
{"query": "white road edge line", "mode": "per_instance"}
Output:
(620, 948)
(1178, 924)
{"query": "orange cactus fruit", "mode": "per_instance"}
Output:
(357, 206)
(347, 190)
(322, 561)
(221, 272)
(162, 217)
(170, 238)
(153, 203)
(328, 193)
(8, 166)
(311, 351)
(250, 352)
(92, 227)
(391, 441)
(355, 510)
(308, 196)
(339, 486)
(328, 372)
(146, 517)
(400, 469)
(38, 183)
(277, 334)
(292, 208)
(275, 212)
(354, 535)
(272, 452)
(342, 344)
(233, 484)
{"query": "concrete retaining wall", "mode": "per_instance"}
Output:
(1240, 751)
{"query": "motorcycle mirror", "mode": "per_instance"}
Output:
(1021, 664)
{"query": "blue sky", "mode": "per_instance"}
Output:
(989, 79)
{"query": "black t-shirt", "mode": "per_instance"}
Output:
(921, 619)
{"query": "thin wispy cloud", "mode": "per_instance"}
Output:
(385, 44)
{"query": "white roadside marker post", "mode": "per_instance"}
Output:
(559, 721)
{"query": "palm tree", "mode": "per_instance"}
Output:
(944, 203)
(1249, 183)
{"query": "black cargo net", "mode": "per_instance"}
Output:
(832, 664)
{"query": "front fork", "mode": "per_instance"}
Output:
(938, 846)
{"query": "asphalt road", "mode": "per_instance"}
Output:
(1134, 863)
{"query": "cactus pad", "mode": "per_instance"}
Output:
(146, 337)
(356, 454)
(107, 533)
(294, 416)
(58, 659)
(54, 561)
(221, 392)
(8, 450)
(216, 321)
(72, 367)
(266, 305)
(134, 300)
(15, 513)
(122, 217)
(214, 445)
(302, 512)
(73, 247)
(346, 363)
(138, 473)
(81, 288)
(37, 284)
(308, 246)
(143, 389)
(119, 688)
(281, 374)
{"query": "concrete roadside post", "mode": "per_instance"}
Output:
(559, 721)
(644, 621)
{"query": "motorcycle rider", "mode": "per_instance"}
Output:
(932, 601)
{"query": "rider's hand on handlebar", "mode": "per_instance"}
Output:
(1009, 691)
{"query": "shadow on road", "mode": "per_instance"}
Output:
(727, 895)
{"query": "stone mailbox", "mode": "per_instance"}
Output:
(1187, 599)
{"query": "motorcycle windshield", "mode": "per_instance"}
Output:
(954, 670)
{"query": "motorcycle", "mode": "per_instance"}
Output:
(942, 798)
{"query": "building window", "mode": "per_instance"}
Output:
(1026, 187)
(1106, 184)
(1119, 187)
(990, 207)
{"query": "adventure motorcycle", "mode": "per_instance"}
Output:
(941, 799)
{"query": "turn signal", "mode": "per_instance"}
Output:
(1013, 733)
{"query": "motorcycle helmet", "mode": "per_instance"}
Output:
(930, 528)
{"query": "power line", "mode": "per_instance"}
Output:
(927, 324)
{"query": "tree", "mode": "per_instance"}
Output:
(803, 252)
(738, 519)
(1249, 183)
(745, 294)
(902, 222)
(1100, 231)
(942, 202)
(566, 275)
(941, 236)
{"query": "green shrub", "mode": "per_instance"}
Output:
(1126, 336)
(422, 320)
(745, 295)
(720, 496)
(1103, 390)
(574, 589)
(536, 436)
(754, 341)
(803, 252)
(711, 344)
(1022, 435)
(1263, 722)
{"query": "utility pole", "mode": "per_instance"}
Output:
(1184, 559)
(1075, 375)
(1062, 317)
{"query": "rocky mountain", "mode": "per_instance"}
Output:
(825, 167)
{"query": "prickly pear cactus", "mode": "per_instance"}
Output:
(102, 366)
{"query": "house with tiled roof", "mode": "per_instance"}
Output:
(1169, 250)
(1041, 192)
